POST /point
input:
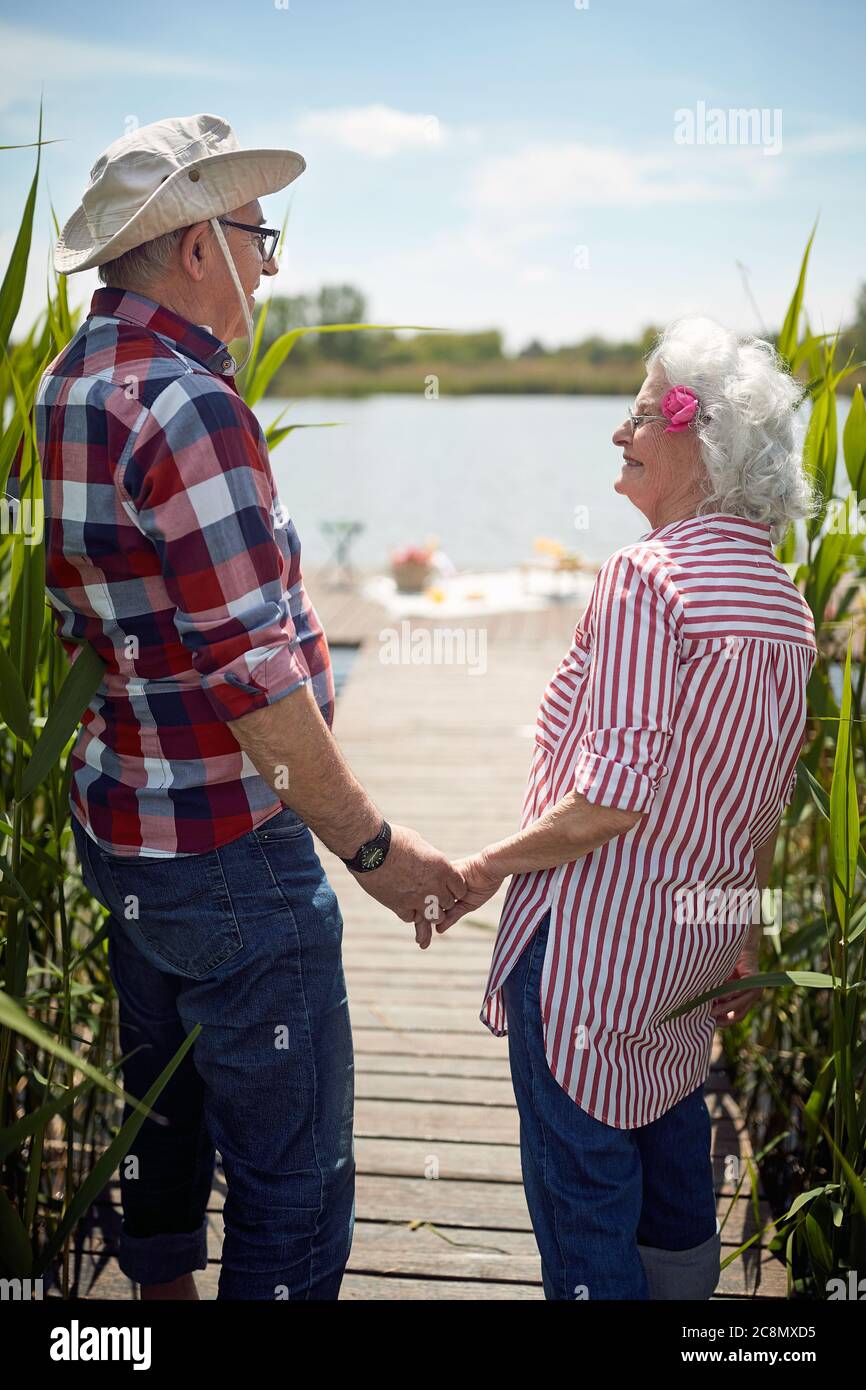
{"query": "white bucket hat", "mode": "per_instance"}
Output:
(163, 176)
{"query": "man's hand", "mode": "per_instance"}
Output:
(732, 1008)
(416, 882)
(481, 880)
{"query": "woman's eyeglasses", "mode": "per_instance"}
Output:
(267, 236)
(637, 420)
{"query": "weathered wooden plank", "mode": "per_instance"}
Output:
(362, 949)
(453, 1179)
(463, 988)
(414, 1158)
(491, 1205)
(360, 968)
(410, 1119)
(453, 1089)
(431, 1251)
(466, 944)
(408, 964)
(724, 1110)
(372, 1035)
(467, 1000)
(376, 1288)
(450, 1159)
(429, 1064)
(446, 1201)
(402, 1086)
(429, 1018)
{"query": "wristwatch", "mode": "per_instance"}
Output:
(373, 853)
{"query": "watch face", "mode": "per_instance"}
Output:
(372, 858)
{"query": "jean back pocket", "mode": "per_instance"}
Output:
(181, 909)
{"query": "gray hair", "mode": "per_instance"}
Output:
(750, 432)
(137, 268)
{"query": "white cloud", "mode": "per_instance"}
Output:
(558, 175)
(377, 131)
(32, 57)
(536, 274)
(842, 141)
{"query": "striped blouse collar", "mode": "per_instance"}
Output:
(740, 528)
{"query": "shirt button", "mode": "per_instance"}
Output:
(194, 175)
(227, 364)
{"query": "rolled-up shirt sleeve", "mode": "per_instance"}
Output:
(634, 624)
(198, 484)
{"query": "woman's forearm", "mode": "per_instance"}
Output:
(570, 829)
(764, 856)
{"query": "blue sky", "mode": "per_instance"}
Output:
(479, 163)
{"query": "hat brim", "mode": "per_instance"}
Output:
(226, 182)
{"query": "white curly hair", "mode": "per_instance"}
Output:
(749, 427)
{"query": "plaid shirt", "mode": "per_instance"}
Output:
(169, 550)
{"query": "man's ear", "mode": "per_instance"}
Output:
(194, 250)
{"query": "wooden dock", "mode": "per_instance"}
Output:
(440, 1212)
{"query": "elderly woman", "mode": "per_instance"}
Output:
(665, 752)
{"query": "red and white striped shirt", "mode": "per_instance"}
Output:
(683, 696)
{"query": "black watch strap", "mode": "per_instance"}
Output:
(373, 853)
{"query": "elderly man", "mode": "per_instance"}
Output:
(206, 758)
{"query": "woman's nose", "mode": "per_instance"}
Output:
(622, 433)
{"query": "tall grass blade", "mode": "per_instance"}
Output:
(844, 813)
(108, 1161)
(12, 289)
(787, 342)
(80, 685)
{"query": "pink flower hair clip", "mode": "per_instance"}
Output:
(680, 405)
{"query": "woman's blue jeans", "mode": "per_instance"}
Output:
(617, 1213)
(246, 941)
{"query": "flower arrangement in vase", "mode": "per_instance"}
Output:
(412, 568)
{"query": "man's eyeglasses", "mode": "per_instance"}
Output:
(267, 236)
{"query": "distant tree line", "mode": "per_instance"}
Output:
(478, 358)
(371, 349)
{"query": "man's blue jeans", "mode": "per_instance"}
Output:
(617, 1213)
(244, 940)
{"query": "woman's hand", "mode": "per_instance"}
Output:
(732, 1008)
(481, 882)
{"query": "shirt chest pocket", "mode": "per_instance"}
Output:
(556, 713)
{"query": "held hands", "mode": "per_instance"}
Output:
(731, 1008)
(481, 880)
(416, 882)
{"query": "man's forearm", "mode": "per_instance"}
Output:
(293, 749)
(570, 829)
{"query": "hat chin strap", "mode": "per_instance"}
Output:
(248, 318)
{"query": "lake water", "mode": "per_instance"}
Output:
(486, 474)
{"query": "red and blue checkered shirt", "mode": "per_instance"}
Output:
(168, 549)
